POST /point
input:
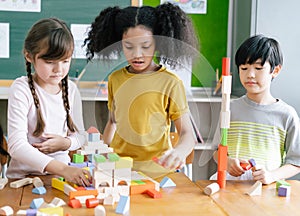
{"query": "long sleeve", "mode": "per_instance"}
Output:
(78, 138)
(25, 159)
(20, 107)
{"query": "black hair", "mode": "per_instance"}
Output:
(172, 29)
(259, 47)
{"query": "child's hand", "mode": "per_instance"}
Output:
(52, 144)
(172, 159)
(263, 176)
(78, 176)
(234, 168)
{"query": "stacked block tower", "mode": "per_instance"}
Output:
(111, 173)
(224, 122)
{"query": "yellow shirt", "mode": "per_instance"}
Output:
(144, 106)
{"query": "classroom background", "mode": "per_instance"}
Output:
(221, 29)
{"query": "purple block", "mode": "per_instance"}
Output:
(252, 162)
(31, 212)
(284, 191)
(79, 165)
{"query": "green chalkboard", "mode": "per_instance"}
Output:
(71, 11)
(212, 31)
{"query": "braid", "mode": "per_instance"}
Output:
(40, 124)
(65, 95)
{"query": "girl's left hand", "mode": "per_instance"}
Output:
(172, 159)
(52, 144)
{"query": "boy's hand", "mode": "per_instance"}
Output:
(234, 168)
(263, 176)
(172, 159)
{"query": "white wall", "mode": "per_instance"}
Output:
(281, 20)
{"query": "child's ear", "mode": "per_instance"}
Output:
(27, 56)
(276, 71)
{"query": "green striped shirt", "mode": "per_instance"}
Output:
(268, 133)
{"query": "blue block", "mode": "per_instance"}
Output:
(166, 182)
(94, 137)
(39, 190)
(36, 203)
(123, 205)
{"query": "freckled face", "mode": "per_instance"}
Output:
(139, 47)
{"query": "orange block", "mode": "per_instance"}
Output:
(245, 166)
(222, 157)
(92, 202)
(221, 179)
(74, 203)
(141, 188)
(154, 193)
(73, 194)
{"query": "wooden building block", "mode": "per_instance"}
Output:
(6, 210)
(91, 203)
(225, 119)
(74, 203)
(154, 193)
(36, 203)
(226, 84)
(73, 194)
(280, 183)
(78, 158)
(211, 188)
(124, 162)
(3, 182)
(58, 184)
(166, 182)
(39, 190)
(255, 190)
(99, 211)
(57, 202)
(284, 191)
(21, 182)
(68, 188)
(141, 188)
(123, 205)
(113, 157)
(37, 182)
(58, 211)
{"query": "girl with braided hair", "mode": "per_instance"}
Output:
(44, 108)
(144, 97)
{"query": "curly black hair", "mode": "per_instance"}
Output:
(172, 28)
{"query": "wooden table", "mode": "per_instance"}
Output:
(184, 199)
(233, 200)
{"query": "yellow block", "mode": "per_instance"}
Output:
(124, 162)
(58, 184)
(52, 211)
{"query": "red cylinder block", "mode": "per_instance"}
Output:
(226, 66)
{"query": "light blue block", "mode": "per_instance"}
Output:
(36, 203)
(123, 205)
(39, 190)
(166, 182)
(94, 137)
